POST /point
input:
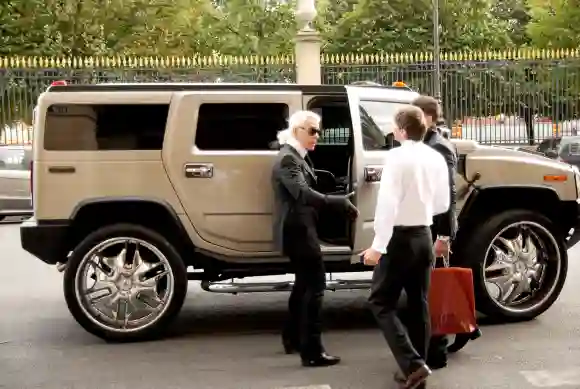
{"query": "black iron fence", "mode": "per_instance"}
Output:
(495, 98)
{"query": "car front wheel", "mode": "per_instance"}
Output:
(125, 282)
(519, 265)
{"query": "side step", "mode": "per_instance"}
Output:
(284, 286)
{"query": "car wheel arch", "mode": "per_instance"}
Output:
(154, 213)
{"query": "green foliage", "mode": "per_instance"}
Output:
(555, 23)
(267, 27)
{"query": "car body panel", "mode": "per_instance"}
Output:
(229, 215)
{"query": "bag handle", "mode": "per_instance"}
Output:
(445, 261)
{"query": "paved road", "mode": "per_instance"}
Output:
(231, 342)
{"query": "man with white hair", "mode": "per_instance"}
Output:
(295, 234)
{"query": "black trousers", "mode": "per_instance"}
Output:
(437, 350)
(406, 266)
(303, 325)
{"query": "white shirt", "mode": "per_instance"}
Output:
(414, 187)
(294, 143)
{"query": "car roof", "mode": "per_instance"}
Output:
(222, 86)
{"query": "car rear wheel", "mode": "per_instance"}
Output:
(125, 282)
(519, 265)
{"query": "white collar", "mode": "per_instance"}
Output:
(409, 142)
(297, 146)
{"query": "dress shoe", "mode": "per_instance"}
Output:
(437, 363)
(417, 377)
(462, 339)
(320, 360)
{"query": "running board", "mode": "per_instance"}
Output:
(284, 286)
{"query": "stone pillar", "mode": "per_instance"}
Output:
(307, 45)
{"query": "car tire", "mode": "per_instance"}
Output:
(172, 263)
(481, 239)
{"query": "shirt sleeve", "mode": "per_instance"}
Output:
(442, 198)
(388, 199)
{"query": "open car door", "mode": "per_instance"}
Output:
(372, 111)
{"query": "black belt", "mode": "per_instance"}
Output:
(410, 228)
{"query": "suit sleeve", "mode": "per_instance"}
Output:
(445, 222)
(441, 200)
(292, 178)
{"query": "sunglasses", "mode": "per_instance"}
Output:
(312, 130)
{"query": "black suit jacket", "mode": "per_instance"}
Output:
(296, 206)
(445, 223)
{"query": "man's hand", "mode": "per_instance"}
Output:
(371, 257)
(351, 209)
(441, 248)
(343, 202)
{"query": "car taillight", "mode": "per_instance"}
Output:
(59, 83)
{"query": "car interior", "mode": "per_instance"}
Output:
(332, 160)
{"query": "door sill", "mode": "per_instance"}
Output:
(329, 249)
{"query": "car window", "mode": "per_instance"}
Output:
(570, 149)
(377, 121)
(239, 126)
(15, 159)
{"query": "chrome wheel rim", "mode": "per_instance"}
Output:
(522, 267)
(124, 284)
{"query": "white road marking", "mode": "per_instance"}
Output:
(552, 378)
(307, 387)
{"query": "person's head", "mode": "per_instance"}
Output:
(410, 124)
(304, 126)
(430, 107)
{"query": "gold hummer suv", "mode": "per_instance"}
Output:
(138, 188)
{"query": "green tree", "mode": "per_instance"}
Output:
(403, 26)
(516, 15)
(555, 23)
(252, 27)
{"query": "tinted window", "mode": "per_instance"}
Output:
(105, 127)
(239, 126)
(336, 124)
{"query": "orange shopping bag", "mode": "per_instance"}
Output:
(452, 301)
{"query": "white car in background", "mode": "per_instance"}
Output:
(15, 195)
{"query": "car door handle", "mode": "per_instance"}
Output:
(61, 169)
(373, 173)
(199, 170)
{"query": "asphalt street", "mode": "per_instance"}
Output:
(232, 342)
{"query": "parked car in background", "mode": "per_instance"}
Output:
(564, 149)
(15, 196)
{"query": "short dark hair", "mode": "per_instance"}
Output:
(412, 120)
(430, 107)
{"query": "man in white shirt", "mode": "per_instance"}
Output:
(414, 187)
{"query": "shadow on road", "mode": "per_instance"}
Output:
(265, 319)
(340, 314)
